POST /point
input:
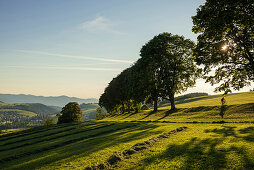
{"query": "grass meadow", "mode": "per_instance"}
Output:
(204, 144)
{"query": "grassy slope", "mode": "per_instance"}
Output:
(76, 146)
(202, 109)
(35, 108)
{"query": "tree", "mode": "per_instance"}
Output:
(225, 42)
(168, 60)
(70, 113)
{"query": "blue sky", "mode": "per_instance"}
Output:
(75, 48)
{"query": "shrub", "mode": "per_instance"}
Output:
(49, 122)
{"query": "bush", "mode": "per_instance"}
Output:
(49, 122)
(70, 113)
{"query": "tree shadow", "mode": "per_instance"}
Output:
(205, 153)
(129, 115)
(167, 113)
(148, 114)
(250, 133)
(230, 131)
(225, 131)
(68, 153)
(198, 154)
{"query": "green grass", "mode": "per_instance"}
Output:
(240, 108)
(215, 146)
(200, 146)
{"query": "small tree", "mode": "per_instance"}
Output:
(223, 107)
(70, 113)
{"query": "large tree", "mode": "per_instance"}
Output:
(169, 62)
(225, 42)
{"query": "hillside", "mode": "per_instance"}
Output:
(240, 107)
(50, 101)
(128, 142)
(89, 111)
(36, 108)
(24, 115)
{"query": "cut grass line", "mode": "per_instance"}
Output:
(17, 156)
(54, 137)
(48, 134)
(32, 131)
(114, 159)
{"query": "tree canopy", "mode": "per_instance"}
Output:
(225, 42)
(169, 61)
(166, 67)
(71, 112)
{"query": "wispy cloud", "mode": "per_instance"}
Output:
(76, 57)
(100, 24)
(64, 68)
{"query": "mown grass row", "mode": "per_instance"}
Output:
(9, 156)
(34, 130)
(200, 145)
(50, 137)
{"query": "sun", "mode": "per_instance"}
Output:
(224, 47)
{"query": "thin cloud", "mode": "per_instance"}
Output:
(98, 25)
(65, 68)
(77, 57)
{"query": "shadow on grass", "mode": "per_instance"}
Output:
(90, 145)
(198, 154)
(129, 115)
(247, 133)
(169, 112)
(206, 153)
(148, 114)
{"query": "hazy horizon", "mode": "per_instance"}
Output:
(75, 48)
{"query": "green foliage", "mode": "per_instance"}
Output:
(166, 68)
(70, 113)
(225, 42)
(49, 122)
(169, 61)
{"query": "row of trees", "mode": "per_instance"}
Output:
(168, 62)
(166, 68)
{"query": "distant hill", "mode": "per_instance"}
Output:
(36, 108)
(89, 111)
(51, 100)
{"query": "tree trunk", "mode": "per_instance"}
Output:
(155, 105)
(172, 102)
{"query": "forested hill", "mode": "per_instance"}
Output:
(50, 101)
(36, 108)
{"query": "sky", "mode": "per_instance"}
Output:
(75, 48)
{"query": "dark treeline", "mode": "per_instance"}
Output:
(166, 68)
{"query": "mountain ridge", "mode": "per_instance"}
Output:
(46, 100)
